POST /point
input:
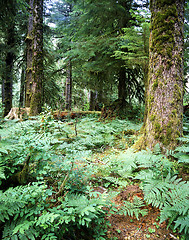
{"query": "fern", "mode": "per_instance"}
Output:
(171, 195)
(10, 204)
(116, 181)
(182, 152)
(177, 206)
(20, 230)
(183, 224)
(2, 170)
(133, 208)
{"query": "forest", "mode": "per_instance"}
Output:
(94, 119)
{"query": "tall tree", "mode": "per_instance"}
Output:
(165, 77)
(12, 26)
(22, 87)
(29, 56)
(68, 89)
(37, 59)
(94, 37)
(9, 61)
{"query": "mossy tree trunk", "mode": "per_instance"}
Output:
(68, 90)
(8, 71)
(37, 60)
(29, 56)
(145, 65)
(165, 77)
(22, 88)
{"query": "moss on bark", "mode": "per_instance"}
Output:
(35, 93)
(165, 78)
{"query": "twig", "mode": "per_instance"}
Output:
(138, 229)
(171, 235)
(165, 236)
(64, 183)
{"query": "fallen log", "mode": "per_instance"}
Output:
(72, 115)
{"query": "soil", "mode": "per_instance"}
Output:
(129, 228)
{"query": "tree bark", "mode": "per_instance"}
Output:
(22, 88)
(8, 74)
(29, 56)
(92, 102)
(37, 61)
(165, 77)
(122, 84)
(68, 90)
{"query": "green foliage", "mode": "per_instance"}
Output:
(134, 208)
(182, 152)
(27, 213)
(161, 187)
(57, 198)
(58, 158)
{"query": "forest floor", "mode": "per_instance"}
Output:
(128, 227)
(87, 156)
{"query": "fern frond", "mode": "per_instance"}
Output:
(20, 230)
(183, 224)
(133, 208)
(2, 169)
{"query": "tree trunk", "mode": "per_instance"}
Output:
(29, 56)
(165, 77)
(3, 87)
(145, 64)
(22, 88)
(68, 90)
(122, 84)
(37, 61)
(145, 79)
(8, 74)
(92, 103)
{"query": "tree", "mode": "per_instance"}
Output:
(8, 72)
(61, 14)
(22, 87)
(37, 59)
(7, 18)
(29, 56)
(165, 76)
(12, 28)
(68, 89)
(94, 36)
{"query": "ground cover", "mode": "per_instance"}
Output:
(81, 179)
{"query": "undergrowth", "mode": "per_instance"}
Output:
(49, 171)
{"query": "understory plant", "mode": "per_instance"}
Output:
(49, 175)
(159, 180)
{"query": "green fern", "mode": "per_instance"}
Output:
(20, 230)
(183, 224)
(182, 152)
(2, 169)
(171, 195)
(133, 208)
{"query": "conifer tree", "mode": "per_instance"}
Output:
(37, 59)
(68, 89)
(165, 77)
(8, 24)
(29, 55)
